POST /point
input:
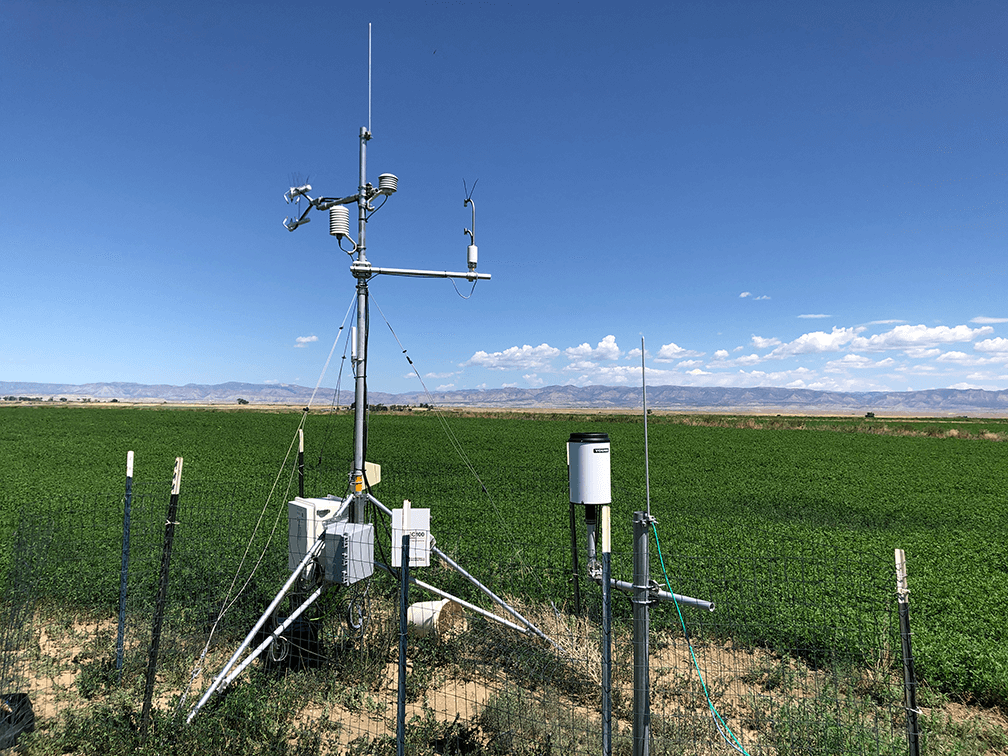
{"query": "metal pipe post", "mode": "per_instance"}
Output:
(641, 622)
(360, 366)
(403, 627)
(606, 634)
(124, 570)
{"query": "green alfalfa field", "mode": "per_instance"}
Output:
(936, 488)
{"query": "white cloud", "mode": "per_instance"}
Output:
(515, 358)
(739, 348)
(919, 353)
(440, 375)
(751, 359)
(697, 371)
(721, 354)
(509, 385)
(907, 337)
(762, 297)
(445, 387)
(745, 294)
(533, 380)
(760, 343)
(815, 342)
(983, 320)
(606, 350)
(997, 348)
(815, 316)
(885, 322)
(672, 351)
(690, 363)
(849, 361)
(959, 358)
(303, 341)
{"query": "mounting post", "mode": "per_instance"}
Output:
(403, 629)
(606, 633)
(574, 561)
(641, 621)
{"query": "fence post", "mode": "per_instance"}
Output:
(162, 596)
(909, 677)
(403, 627)
(641, 621)
(124, 572)
(606, 633)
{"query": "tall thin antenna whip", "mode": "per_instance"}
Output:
(647, 474)
(369, 78)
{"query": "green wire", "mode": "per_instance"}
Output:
(714, 711)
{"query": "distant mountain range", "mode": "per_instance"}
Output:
(686, 398)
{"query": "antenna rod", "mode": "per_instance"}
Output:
(369, 77)
(647, 475)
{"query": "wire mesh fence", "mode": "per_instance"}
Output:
(800, 656)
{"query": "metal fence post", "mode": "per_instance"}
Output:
(162, 597)
(124, 571)
(909, 676)
(641, 621)
(403, 627)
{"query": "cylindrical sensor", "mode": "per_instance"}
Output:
(590, 476)
(339, 221)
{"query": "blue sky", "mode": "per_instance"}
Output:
(771, 194)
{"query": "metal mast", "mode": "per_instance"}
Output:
(362, 270)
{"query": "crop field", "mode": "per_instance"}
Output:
(719, 485)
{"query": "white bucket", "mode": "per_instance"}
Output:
(441, 618)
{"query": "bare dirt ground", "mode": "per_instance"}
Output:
(751, 688)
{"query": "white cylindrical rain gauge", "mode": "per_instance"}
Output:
(590, 470)
(339, 221)
(589, 474)
(471, 256)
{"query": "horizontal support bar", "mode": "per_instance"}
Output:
(358, 269)
(661, 595)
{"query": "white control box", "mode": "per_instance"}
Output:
(307, 519)
(420, 537)
(349, 552)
